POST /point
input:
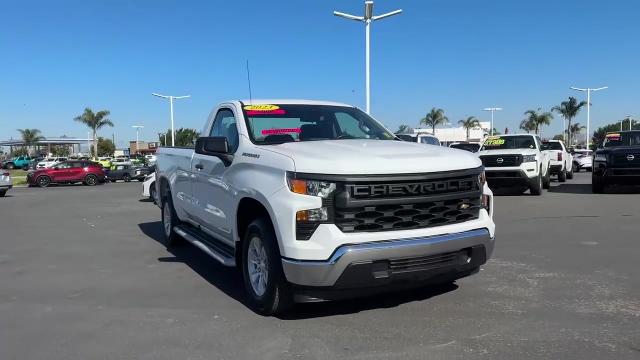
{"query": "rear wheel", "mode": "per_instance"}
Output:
(90, 180)
(3, 193)
(169, 221)
(562, 175)
(43, 181)
(264, 280)
(10, 166)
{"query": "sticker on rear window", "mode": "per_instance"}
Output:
(494, 141)
(280, 131)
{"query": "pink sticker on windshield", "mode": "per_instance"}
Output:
(281, 131)
(265, 112)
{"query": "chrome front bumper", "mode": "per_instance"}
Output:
(327, 272)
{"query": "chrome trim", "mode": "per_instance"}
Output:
(226, 261)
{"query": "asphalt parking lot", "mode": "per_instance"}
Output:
(84, 276)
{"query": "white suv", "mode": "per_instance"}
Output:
(516, 161)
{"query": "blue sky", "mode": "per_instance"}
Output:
(57, 57)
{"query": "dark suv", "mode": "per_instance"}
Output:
(617, 161)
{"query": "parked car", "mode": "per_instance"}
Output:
(20, 162)
(317, 200)
(49, 162)
(127, 173)
(582, 160)
(121, 160)
(5, 182)
(618, 161)
(560, 160)
(150, 159)
(68, 172)
(427, 139)
(149, 187)
(472, 147)
(516, 161)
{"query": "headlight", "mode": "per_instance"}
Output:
(311, 187)
(529, 158)
(600, 157)
(482, 178)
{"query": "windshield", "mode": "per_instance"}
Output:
(280, 123)
(468, 147)
(509, 142)
(552, 145)
(629, 138)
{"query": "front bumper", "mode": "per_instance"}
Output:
(6, 187)
(385, 262)
(511, 177)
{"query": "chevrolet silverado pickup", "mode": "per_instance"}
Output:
(618, 161)
(516, 161)
(560, 160)
(316, 201)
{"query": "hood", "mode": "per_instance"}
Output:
(369, 157)
(508, 152)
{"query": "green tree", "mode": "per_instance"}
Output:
(94, 121)
(404, 129)
(184, 137)
(30, 137)
(106, 147)
(434, 118)
(568, 110)
(60, 150)
(538, 118)
(527, 125)
(469, 123)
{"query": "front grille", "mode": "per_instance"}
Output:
(501, 160)
(621, 160)
(407, 216)
(503, 174)
(419, 263)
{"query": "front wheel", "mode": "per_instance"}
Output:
(10, 166)
(43, 181)
(576, 168)
(126, 178)
(3, 193)
(546, 181)
(152, 193)
(597, 184)
(536, 187)
(264, 280)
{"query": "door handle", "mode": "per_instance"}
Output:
(199, 167)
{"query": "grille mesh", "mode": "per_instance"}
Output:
(621, 160)
(422, 262)
(407, 216)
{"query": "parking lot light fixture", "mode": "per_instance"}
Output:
(137, 127)
(171, 98)
(588, 91)
(493, 110)
(368, 18)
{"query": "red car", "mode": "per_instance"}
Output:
(68, 172)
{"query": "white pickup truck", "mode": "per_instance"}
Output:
(516, 161)
(560, 160)
(317, 201)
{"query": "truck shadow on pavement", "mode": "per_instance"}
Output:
(229, 281)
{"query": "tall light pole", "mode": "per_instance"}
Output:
(588, 91)
(368, 18)
(170, 97)
(137, 127)
(630, 118)
(493, 110)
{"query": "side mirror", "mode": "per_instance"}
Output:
(217, 146)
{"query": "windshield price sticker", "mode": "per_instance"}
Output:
(263, 109)
(494, 142)
(612, 136)
(281, 131)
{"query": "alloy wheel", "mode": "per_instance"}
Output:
(258, 266)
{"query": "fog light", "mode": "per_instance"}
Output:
(465, 257)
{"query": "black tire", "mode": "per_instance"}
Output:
(597, 184)
(152, 192)
(562, 175)
(43, 181)
(10, 166)
(126, 178)
(276, 297)
(25, 168)
(546, 180)
(113, 180)
(3, 193)
(576, 168)
(570, 174)
(536, 187)
(169, 222)
(91, 180)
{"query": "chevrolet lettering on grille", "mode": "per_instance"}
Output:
(411, 189)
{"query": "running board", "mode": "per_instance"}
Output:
(212, 247)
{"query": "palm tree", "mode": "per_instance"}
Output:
(568, 110)
(527, 125)
(537, 118)
(434, 118)
(30, 137)
(576, 128)
(94, 121)
(469, 123)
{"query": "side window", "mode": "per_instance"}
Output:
(64, 165)
(225, 125)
